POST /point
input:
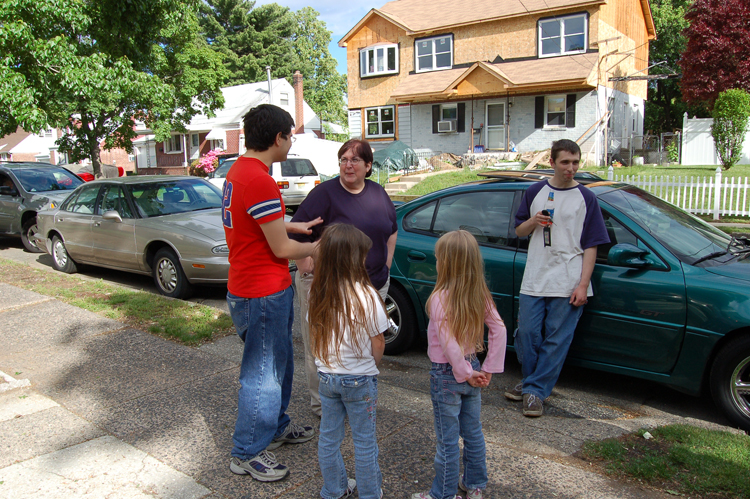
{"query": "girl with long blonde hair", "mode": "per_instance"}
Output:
(458, 308)
(347, 319)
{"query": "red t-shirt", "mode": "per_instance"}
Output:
(251, 198)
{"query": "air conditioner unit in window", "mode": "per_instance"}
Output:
(447, 126)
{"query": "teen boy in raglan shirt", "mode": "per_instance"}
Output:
(260, 295)
(566, 226)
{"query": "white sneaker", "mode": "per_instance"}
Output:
(470, 493)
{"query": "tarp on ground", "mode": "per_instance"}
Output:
(397, 156)
(323, 153)
(108, 171)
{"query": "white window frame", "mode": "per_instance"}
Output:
(173, 145)
(379, 122)
(445, 107)
(547, 112)
(368, 53)
(284, 99)
(562, 35)
(432, 40)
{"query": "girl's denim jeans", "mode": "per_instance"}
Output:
(457, 407)
(355, 396)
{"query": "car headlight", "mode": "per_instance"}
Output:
(222, 249)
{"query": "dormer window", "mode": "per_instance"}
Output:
(434, 53)
(563, 35)
(378, 60)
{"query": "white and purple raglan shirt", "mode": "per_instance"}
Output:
(577, 224)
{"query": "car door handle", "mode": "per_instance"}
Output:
(416, 256)
(97, 224)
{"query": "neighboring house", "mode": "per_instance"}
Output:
(223, 131)
(26, 146)
(450, 75)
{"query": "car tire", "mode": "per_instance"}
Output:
(60, 258)
(28, 231)
(402, 319)
(169, 277)
(730, 381)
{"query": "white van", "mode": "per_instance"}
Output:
(296, 177)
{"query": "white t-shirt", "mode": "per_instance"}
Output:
(349, 362)
(577, 224)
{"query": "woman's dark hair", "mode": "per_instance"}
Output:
(361, 149)
(263, 123)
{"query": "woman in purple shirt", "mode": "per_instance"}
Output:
(351, 199)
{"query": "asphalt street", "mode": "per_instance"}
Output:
(81, 390)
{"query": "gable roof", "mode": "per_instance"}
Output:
(513, 76)
(13, 139)
(413, 17)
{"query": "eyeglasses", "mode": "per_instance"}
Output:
(352, 161)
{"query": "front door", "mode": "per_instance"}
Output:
(495, 126)
(114, 242)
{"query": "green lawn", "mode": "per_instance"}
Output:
(737, 171)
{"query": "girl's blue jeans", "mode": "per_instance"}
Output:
(355, 396)
(457, 407)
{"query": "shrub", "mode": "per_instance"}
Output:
(205, 165)
(731, 113)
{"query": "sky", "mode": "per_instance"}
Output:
(339, 17)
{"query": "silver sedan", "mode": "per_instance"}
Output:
(166, 226)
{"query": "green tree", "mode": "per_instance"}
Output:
(731, 114)
(93, 68)
(250, 38)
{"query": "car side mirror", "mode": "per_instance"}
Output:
(630, 255)
(112, 215)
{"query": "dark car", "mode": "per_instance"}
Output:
(672, 293)
(27, 188)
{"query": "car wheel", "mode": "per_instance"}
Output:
(730, 381)
(28, 231)
(60, 258)
(402, 320)
(168, 275)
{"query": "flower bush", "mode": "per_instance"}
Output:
(205, 165)
(616, 164)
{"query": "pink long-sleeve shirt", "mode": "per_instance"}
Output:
(442, 347)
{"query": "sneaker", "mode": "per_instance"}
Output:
(515, 393)
(352, 485)
(470, 493)
(293, 434)
(532, 405)
(426, 495)
(262, 467)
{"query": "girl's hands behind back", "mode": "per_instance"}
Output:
(478, 380)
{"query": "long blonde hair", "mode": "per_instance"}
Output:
(465, 292)
(340, 277)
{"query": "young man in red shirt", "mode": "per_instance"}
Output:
(260, 295)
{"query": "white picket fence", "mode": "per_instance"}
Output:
(700, 195)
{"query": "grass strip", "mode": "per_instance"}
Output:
(186, 322)
(680, 459)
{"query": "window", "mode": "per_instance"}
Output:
(380, 121)
(173, 144)
(555, 111)
(114, 200)
(448, 112)
(195, 139)
(284, 99)
(434, 53)
(486, 215)
(378, 60)
(564, 35)
(85, 202)
(617, 234)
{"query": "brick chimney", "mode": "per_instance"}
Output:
(299, 110)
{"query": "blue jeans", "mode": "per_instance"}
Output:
(457, 407)
(265, 326)
(355, 396)
(545, 332)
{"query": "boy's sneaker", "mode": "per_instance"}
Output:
(352, 486)
(532, 405)
(262, 467)
(470, 493)
(515, 393)
(293, 434)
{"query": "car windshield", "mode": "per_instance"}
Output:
(154, 199)
(687, 237)
(221, 172)
(296, 167)
(46, 179)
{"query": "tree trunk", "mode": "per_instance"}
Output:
(96, 160)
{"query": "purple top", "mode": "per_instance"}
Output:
(371, 211)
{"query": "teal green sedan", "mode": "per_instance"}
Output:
(672, 293)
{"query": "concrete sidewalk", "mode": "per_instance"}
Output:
(92, 408)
